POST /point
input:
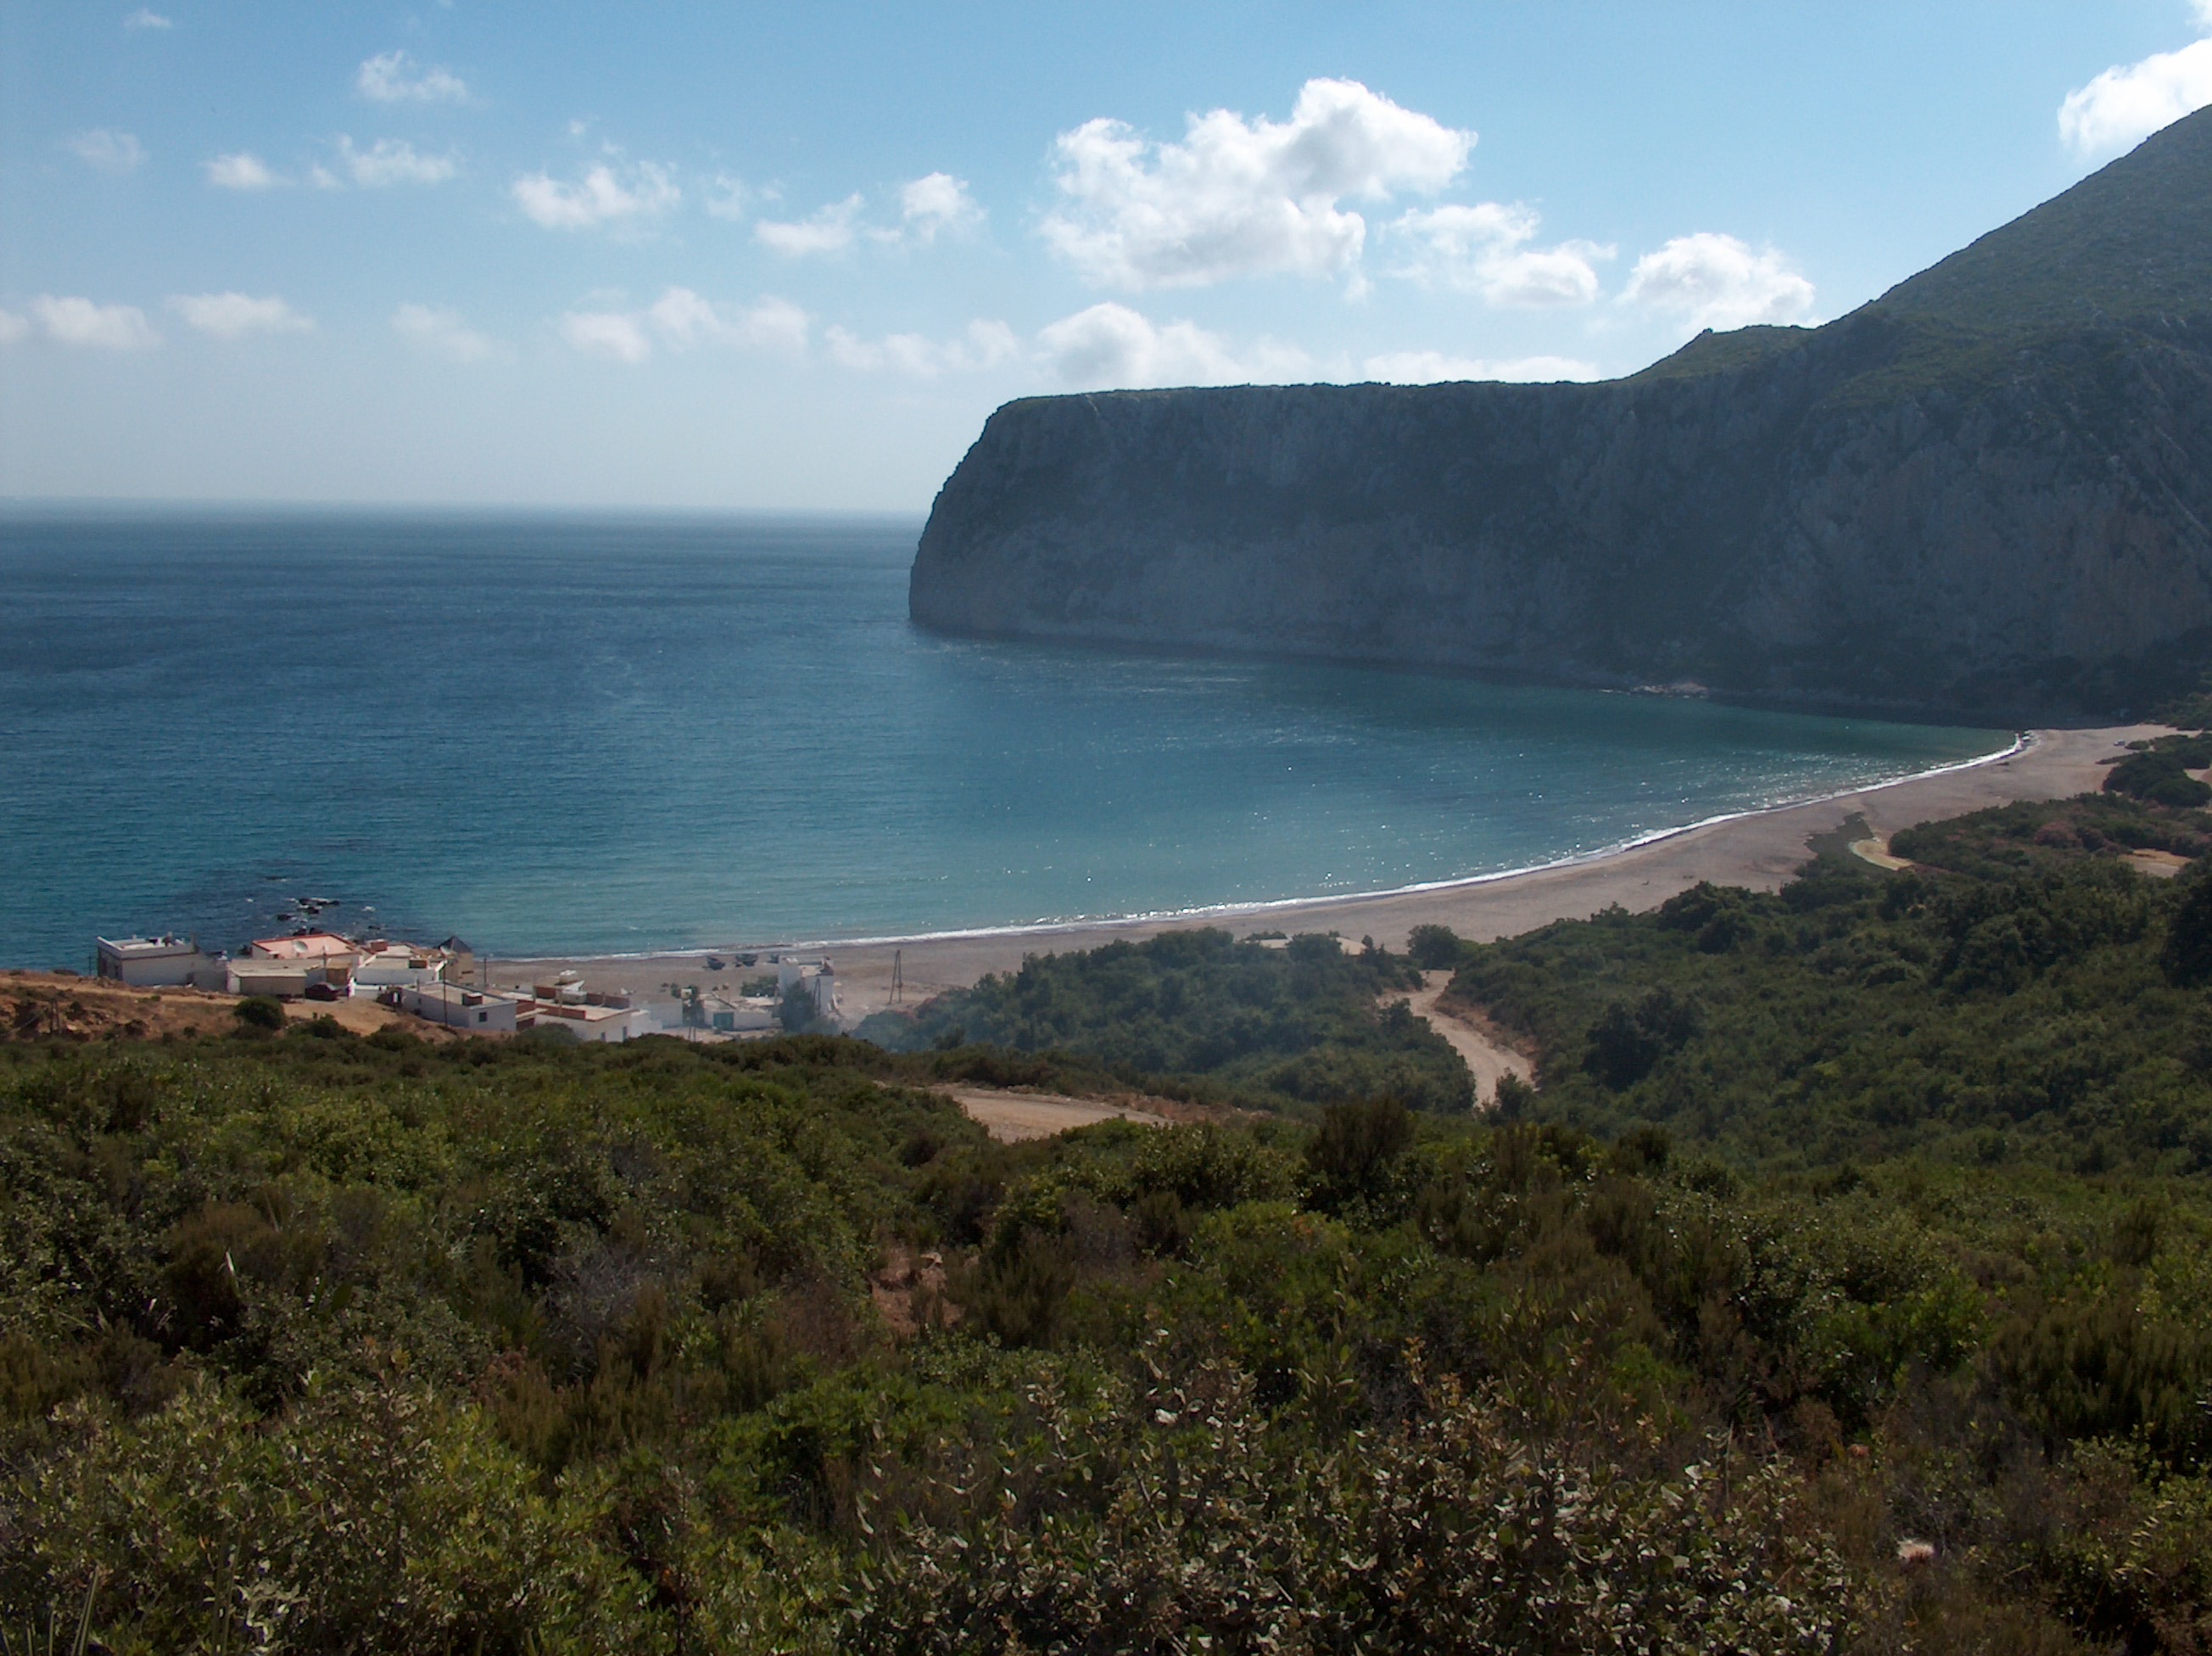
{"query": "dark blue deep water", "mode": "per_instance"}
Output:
(600, 733)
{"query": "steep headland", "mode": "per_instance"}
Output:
(1986, 493)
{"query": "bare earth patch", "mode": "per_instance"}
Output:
(1011, 1116)
(37, 1005)
(1481, 1046)
(2159, 865)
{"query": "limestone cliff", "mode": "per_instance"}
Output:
(1986, 493)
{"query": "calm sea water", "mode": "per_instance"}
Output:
(556, 734)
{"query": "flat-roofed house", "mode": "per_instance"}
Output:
(480, 1011)
(286, 980)
(394, 966)
(163, 962)
(334, 954)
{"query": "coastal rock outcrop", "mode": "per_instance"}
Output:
(1986, 493)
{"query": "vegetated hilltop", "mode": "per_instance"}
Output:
(1987, 492)
(315, 1343)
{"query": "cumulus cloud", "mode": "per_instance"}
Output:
(2130, 101)
(603, 196)
(1421, 367)
(13, 327)
(607, 333)
(440, 331)
(827, 230)
(981, 345)
(241, 171)
(393, 78)
(234, 315)
(728, 197)
(389, 161)
(937, 202)
(145, 18)
(1242, 197)
(681, 318)
(1110, 345)
(74, 321)
(927, 207)
(108, 151)
(1717, 282)
(1484, 249)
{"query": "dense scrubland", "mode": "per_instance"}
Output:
(1846, 1284)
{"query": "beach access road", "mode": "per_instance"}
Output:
(1481, 1047)
(1761, 850)
(1012, 1115)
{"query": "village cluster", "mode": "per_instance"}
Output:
(447, 984)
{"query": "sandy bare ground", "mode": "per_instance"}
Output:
(1011, 1116)
(1480, 1046)
(39, 1005)
(1761, 851)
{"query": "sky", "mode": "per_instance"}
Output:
(790, 257)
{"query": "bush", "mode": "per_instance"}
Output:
(260, 1012)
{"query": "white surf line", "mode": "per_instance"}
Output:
(1262, 906)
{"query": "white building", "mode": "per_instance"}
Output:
(333, 954)
(396, 965)
(479, 1011)
(162, 962)
(587, 1022)
(287, 980)
(816, 978)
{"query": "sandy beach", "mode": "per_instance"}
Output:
(1760, 850)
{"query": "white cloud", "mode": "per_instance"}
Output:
(391, 77)
(681, 318)
(2130, 101)
(827, 230)
(938, 202)
(441, 331)
(981, 345)
(602, 197)
(242, 171)
(1484, 249)
(234, 315)
(108, 151)
(607, 333)
(1239, 197)
(391, 161)
(103, 327)
(13, 327)
(728, 197)
(1717, 282)
(1421, 367)
(146, 18)
(1110, 345)
(927, 207)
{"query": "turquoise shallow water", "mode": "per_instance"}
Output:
(603, 734)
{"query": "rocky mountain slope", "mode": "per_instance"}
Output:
(1986, 493)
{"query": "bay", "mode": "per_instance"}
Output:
(572, 733)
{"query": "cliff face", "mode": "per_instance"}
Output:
(1987, 493)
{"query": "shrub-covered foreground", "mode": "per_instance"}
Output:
(317, 1344)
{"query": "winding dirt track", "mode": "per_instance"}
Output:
(1485, 1055)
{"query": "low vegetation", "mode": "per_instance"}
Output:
(1211, 1018)
(1847, 1285)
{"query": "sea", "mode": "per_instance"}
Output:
(573, 733)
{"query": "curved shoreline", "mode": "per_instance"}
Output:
(1200, 913)
(1761, 848)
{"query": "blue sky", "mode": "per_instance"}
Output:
(791, 257)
